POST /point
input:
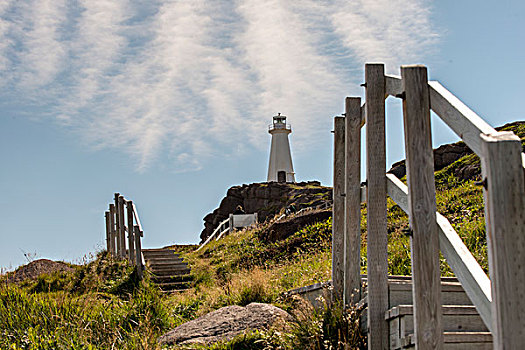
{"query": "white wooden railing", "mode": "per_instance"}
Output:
(499, 300)
(233, 221)
(117, 224)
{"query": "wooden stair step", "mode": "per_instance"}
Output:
(181, 278)
(457, 341)
(164, 267)
(171, 272)
(164, 260)
(456, 318)
(156, 250)
(166, 286)
(161, 255)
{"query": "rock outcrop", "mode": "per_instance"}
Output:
(443, 156)
(284, 228)
(448, 154)
(225, 323)
(267, 199)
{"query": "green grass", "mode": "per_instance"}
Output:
(103, 304)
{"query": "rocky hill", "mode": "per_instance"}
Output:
(267, 199)
(446, 155)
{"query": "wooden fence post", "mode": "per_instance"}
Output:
(138, 249)
(117, 226)
(505, 216)
(377, 239)
(352, 270)
(112, 246)
(426, 278)
(108, 233)
(122, 232)
(131, 241)
(338, 210)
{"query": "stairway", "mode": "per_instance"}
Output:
(463, 327)
(169, 272)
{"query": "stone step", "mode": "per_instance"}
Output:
(457, 341)
(456, 318)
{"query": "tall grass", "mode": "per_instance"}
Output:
(39, 317)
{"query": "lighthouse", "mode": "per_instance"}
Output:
(280, 168)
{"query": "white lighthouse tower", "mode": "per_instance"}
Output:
(280, 168)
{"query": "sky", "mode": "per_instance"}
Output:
(168, 102)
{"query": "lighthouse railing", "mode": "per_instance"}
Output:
(279, 127)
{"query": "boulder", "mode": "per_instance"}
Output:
(225, 323)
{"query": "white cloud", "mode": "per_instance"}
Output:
(391, 31)
(195, 79)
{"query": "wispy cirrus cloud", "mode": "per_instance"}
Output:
(193, 79)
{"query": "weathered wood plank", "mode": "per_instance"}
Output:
(117, 227)
(138, 249)
(393, 85)
(137, 218)
(121, 232)
(338, 215)
(131, 239)
(469, 273)
(363, 114)
(352, 263)
(377, 259)
(108, 232)
(461, 119)
(505, 216)
(113, 246)
(422, 209)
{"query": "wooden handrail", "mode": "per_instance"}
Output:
(137, 219)
(117, 224)
(467, 270)
(459, 117)
(213, 234)
(499, 302)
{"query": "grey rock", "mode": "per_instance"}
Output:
(267, 199)
(224, 324)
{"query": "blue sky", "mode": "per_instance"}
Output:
(167, 102)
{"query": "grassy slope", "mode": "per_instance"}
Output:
(102, 305)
